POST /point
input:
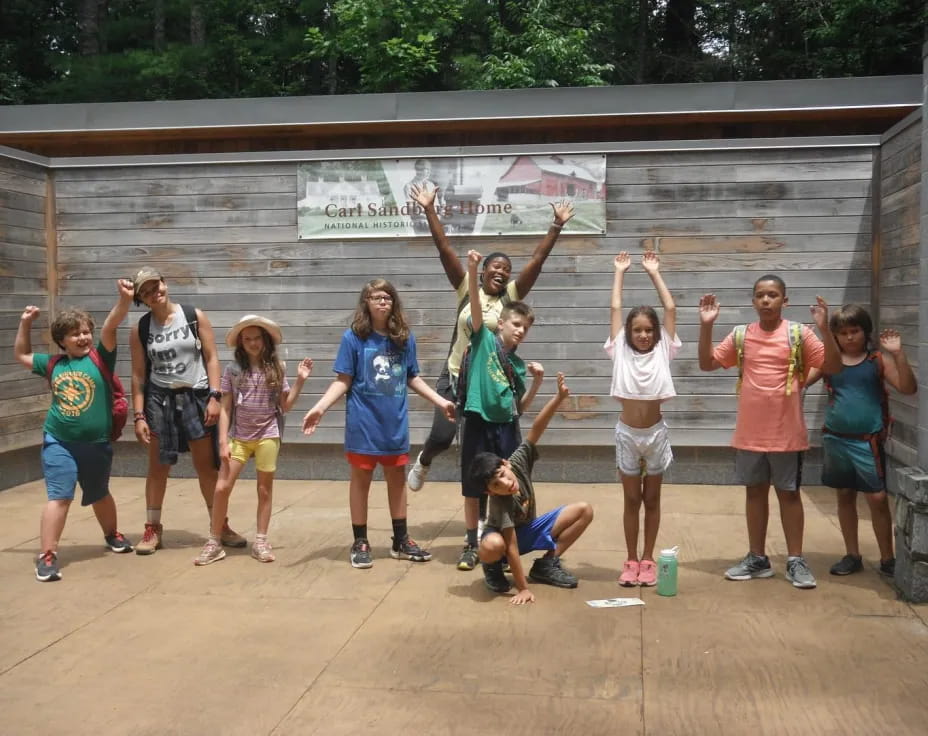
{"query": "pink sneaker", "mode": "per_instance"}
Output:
(647, 573)
(629, 576)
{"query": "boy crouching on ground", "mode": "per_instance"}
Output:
(513, 528)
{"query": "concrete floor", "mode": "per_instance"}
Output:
(307, 645)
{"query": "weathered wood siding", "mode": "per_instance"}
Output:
(225, 237)
(23, 275)
(900, 192)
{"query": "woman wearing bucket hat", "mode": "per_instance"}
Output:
(175, 397)
(255, 397)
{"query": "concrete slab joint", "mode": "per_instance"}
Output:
(912, 534)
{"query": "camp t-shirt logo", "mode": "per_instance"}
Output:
(386, 372)
(73, 391)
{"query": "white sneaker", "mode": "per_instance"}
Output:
(417, 474)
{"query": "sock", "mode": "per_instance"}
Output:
(472, 537)
(792, 557)
(359, 531)
(153, 516)
(399, 532)
(260, 539)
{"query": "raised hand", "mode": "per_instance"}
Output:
(473, 260)
(126, 289)
(305, 369)
(891, 341)
(425, 196)
(651, 261)
(563, 391)
(30, 313)
(536, 370)
(563, 211)
(819, 312)
(622, 262)
(312, 419)
(709, 308)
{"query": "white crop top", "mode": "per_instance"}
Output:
(642, 376)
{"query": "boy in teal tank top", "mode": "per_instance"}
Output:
(76, 444)
(856, 425)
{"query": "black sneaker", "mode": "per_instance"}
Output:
(360, 555)
(548, 570)
(888, 567)
(407, 549)
(118, 543)
(46, 567)
(468, 559)
(494, 578)
(847, 565)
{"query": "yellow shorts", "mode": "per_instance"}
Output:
(265, 452)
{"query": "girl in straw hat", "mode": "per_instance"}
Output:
(255, 396)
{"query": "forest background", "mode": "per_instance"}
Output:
(54, 51)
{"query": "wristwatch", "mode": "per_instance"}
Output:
(215, 394)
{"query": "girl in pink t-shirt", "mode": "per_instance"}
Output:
(255, 396)
(641, 352)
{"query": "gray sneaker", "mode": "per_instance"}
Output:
(417, 474)
(752, 566)
(799, 574)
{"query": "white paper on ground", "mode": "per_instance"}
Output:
(615, 602)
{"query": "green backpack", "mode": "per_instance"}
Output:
(796, 367)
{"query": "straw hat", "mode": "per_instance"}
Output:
(254, 320)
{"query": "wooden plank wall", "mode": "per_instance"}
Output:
(224, 235)
(900, 192)
(23, 275)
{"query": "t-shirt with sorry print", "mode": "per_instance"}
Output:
(175, 355)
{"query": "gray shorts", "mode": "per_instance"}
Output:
(782, 470)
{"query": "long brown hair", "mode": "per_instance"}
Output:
(270, 363)
(397, 327)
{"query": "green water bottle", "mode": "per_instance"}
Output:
(667, 572)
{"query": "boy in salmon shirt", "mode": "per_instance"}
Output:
(770, 431)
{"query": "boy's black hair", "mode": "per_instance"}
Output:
(852, 315)
(483, 467)
(520, 308)
(770, 277)
(648, 312)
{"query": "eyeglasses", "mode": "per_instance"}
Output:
(382, 298)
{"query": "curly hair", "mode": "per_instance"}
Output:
(68, 320)
(270, 364)
(397, 327)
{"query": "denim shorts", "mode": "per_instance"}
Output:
(65, 464)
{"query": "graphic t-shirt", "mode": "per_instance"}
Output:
(255, 404)
(492, 308)
(176, 359)
(488, 391)
(769, 420)
(81, 409)
(517, 510)
(855, 404)
(377, 410)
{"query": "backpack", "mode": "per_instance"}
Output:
(237, 378)
(119, 405)
(795, 367)
(190, 315)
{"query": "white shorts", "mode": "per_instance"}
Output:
(642, 451)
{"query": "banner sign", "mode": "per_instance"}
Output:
(489, 195)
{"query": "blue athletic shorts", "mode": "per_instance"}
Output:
(65, 464)
(850, 463)
(535, 535)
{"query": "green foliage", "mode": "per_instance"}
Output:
(256, 48)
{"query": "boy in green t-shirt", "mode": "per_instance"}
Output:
(496, 396)
(76, 445)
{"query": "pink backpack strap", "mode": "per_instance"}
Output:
(52, 362)
(101, 366)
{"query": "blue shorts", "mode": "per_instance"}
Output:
(851, 463)
(536, 535)
(65, 464)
